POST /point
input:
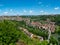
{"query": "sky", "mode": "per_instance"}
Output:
(29, 7)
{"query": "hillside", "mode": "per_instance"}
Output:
(11, 35)
(29, 30)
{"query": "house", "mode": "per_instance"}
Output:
(44, 26)
(36, 24)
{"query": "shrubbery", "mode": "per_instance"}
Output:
(8, 33)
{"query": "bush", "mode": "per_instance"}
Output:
(8, 32)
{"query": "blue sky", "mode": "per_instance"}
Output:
(29, 7)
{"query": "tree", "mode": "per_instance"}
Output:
(8, 32)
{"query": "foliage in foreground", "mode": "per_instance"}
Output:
(9, 35)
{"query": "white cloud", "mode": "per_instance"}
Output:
(56, 8)
(24, 11)
(31, 11)
(5, 13)
(41, 11)
(11, 10)
(45, 12)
